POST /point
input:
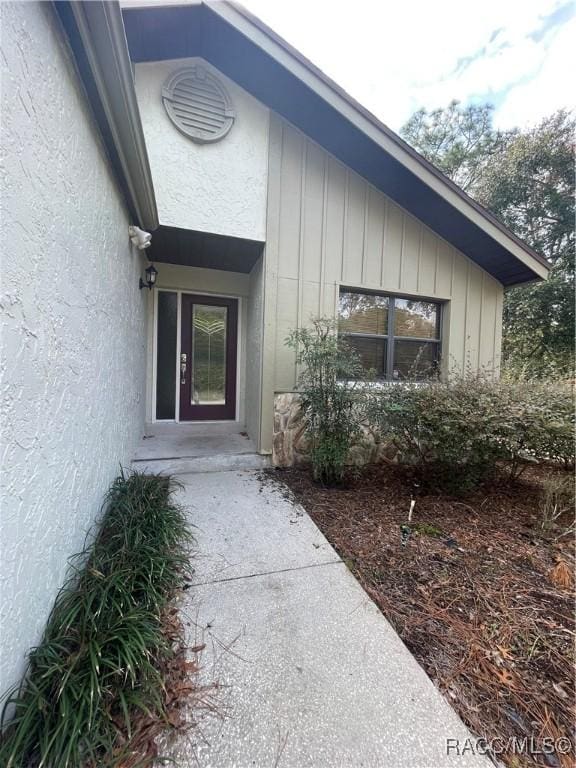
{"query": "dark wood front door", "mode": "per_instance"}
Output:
(208, 358)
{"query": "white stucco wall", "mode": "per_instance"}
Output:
(219, 187)
(73, 320)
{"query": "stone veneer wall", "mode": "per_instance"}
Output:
(290, 446)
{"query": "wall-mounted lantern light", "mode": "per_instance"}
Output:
(151, 274)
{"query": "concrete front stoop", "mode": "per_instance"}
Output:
(308, 672)
(188, 448)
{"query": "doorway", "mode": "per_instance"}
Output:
(208, 351)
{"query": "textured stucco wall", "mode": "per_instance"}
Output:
(73, 340)
(219, 187)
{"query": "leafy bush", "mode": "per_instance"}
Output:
(536, 422)
(446, 431)
(329, 396)
(98, 661)
(457, 434)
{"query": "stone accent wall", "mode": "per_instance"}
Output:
(290, 446)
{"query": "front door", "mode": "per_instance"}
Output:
(208, 358)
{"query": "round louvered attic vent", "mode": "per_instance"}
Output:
(197, 104)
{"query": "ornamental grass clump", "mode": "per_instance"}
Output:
(97, 666)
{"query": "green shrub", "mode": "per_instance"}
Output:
(458, 434)
(545, 367)
(98, 662)
(536, 423)
(448, 432)
(329, 397)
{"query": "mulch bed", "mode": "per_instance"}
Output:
(481, 597)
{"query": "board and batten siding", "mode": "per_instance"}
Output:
(327, 227)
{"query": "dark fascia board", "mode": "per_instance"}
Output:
(96, 35)
(247, 51)
(427, 166)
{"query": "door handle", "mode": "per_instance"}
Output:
(183, 366)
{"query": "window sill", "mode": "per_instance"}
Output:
(382, 384)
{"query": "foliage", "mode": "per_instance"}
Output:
(457, 434)
(526, 178)
(535, 422)
(329, 396)
(97, 663)
(558, 500)
(447, 431)
(531, 188)
(458, 140)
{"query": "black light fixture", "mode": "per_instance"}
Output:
(151, 273)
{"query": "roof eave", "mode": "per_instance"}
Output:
(260, 34)
(95, 31)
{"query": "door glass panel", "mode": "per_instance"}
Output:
(166, 355)
(209, 326)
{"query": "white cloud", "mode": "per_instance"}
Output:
(549, 90)
(397, 57)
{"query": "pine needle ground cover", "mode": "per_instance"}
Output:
(97, 686)
(482, 593)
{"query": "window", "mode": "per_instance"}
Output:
(396, 338)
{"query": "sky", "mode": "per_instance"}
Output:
(395, 57)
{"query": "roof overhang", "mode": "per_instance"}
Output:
(191, 248)
(96, 35)
(250, 53)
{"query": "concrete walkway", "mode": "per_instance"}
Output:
(309, 671)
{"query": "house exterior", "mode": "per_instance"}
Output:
(271, 196)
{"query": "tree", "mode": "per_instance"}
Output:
(531, 189)
(458, 140)
(526, 178)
